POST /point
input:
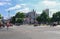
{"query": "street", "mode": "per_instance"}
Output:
(30, 32)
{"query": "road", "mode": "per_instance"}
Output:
(30, 32)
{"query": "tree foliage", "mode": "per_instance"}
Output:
(19, 21)
(0, 16)
(43, 18)
(56, 17)
(13, 19)
(19, 15)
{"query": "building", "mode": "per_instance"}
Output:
(30, 17)
(46, 11)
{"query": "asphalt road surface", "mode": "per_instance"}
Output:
(30, 32)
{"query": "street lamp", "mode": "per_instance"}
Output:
(8, 13)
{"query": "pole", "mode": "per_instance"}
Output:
(8, 19)
(8, 13)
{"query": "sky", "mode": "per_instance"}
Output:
(14, 6)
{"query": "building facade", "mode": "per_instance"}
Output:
(30, 17)
(46, 11)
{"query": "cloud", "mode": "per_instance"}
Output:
(5, 0)
(38, 12)
(19, 8)
(4, 3)
(49, 3)
(14, 7)
(25, 10)
(52, 11)
(23, 4)
(53, 6)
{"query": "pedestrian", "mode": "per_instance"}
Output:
(7, 24)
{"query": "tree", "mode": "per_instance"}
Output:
(19, 21)
(13, 19)
(0, 16)
(18, 18)
(38, 19)
(19, 15)
(43, 18)
(56, 17)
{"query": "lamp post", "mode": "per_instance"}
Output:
(8, 19)
(9, 16)
(8, 13)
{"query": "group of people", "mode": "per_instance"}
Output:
(3, 23)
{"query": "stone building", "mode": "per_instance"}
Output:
(46, 11)
(30, 17)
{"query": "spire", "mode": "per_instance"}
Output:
(34, 11)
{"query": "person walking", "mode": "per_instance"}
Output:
(8, 24)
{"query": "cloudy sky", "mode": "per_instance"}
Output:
(27, 5)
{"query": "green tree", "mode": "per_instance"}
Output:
(38, 19)
(43, 18)
(13, 19)
(0, 16)
(19, 15)
(19, 21)
(56, 17)
(18, 18)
